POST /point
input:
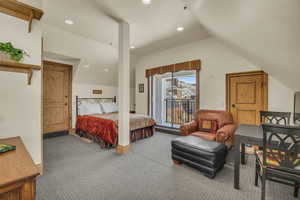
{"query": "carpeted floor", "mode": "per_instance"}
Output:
(75, 170)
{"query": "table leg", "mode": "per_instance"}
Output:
(243, 152)
(237, 160)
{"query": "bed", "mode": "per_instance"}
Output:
(97, 120)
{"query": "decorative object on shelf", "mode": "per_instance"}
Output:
(21, 10)
(141, 88)
(9, 53)
(6, 147)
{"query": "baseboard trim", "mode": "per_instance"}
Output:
(123, 150)
(55, 134)
(72, 131)
(172, 131)
(40, 168)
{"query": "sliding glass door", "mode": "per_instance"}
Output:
(173, 97)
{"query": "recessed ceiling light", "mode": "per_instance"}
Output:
(106, 69)
(147, 2)
(132, 47)
(86, 66)
(180, 28)
(69, 22)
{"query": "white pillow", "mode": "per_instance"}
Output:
(109, 107)
(90, 108)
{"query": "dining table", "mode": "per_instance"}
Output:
(250, 135)
(245, 134)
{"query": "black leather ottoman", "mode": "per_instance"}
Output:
(206, 156)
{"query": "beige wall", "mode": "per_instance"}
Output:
(217, 60)
(20, 104)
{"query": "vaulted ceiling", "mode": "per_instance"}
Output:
(150, 24)
(265, 31)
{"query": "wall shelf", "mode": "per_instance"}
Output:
(19, 68)
(20, 10)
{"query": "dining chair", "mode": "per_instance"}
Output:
(279, 161)
(271, 117)
(296, 118)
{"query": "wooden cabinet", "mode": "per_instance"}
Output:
(18, 172)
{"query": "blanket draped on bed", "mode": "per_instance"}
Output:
(105, 126)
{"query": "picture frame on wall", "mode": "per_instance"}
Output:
(141, 88)
(97, 91)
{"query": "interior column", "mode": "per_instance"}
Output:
(123, 89)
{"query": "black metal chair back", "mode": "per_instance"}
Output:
(281, 146)
(279, 118)
(297, 118)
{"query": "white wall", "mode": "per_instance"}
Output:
(89, 52)
(281, 98)
(217, 60)
(20, 104)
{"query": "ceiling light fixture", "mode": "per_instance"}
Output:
(86, 66)
(69, 22)
(147, 2)
(182, 19)
(132, 47)
(180, 28)
(106, 69)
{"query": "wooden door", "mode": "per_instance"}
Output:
(247, 95)
(57, 81)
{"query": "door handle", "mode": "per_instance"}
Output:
(233, 105)
(66, 104)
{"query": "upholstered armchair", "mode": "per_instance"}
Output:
(211, 125)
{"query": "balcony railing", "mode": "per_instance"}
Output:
(179, 111)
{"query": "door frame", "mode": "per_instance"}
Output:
(150, 93)
(70, 91)
(248, 73)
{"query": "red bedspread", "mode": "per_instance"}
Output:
(104, 128)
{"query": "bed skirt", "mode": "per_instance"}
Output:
(135, 135)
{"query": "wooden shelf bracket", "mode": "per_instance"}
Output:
(30, 21)
(21, 10)
(29, 76)
(19, 68)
